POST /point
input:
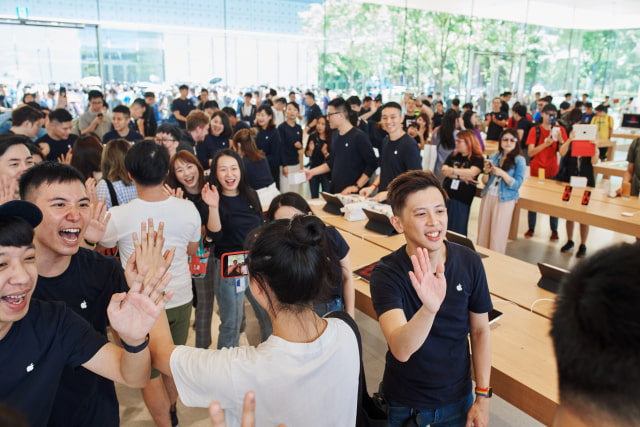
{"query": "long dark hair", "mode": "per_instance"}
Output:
(291, 199)
(246, 192)
(326, 138)
(186, 157)
(510, 159)
(447, 128)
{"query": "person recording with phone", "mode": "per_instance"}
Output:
(543, 142)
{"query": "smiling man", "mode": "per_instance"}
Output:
(40, 339)
(399, 154)
(429, 295)
(83, 279)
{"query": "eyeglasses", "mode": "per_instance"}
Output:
(331, 114)
(509, 140)
(161, 140)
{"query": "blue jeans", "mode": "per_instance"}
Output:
(553, 221)
(336, 304)
(453, 415)
(261, 314)
(315, 182)
(230, 303)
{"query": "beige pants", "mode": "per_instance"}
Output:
(494, 223)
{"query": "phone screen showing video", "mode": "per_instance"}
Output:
(234, 264)
(586, 197)
(567, 193)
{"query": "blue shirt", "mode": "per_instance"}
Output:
(439, 372)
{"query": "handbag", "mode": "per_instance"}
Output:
(369, 414)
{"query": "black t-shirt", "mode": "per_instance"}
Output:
(525, 125)
(203, 208)
(317, 157)
(34, 354)
(184, 106)
(258, 173)
(86, 286)
(207, 148)
(494, 130)
(437, 120)
(132, 136)
(289, 135)
(339, 249)
(439, 373)
(408, 119)
(313, 112)
(398, 157)
(57, 148)
(564, 105)
(351, 156)
(464, 192)
(238, 218)
(268, 140)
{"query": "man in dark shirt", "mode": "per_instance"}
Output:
(399, 152)
(182, 106)
(352, 161)
(313, 111)
(235, 122)
(59, 138)
(523, 126)
(495, 121)
(566, 104)
(430, 296)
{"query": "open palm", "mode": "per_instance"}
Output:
(431, 288)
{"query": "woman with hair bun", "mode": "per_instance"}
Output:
(306, 373)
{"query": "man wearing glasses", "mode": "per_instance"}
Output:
(171, 137)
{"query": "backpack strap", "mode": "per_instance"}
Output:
(112, 193)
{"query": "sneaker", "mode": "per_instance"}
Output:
(567, 246)
(529, 233)
(582, 251)
(554, 236)
(174, 417)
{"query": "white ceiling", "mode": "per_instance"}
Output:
(576, 14)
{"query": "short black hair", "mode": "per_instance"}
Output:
(294, 104)
(520, 110)
(170, 129)
(392, 104)
(95, 94)
(47, 173)
(339, 104)
(467, 105)
(601, 108)
(183, 86)
(60, 115)
(15, 232)
(588, 105)
(567, 94)
(211, 104)
(10, 139)
(354, 100)
(367, 98)
(309, 93)
(549, 108)
(230, 111)
(596, 335)
(122, 109)
(408, 183)
(455, 102)
(149, 95)
(148, 163)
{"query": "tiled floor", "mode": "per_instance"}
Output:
(533, 250)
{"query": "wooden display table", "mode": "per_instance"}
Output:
(608, 169)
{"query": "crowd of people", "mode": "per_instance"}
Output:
(172, 198)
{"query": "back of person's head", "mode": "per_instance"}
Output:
(95, 94)
(112, 163)
(211, 104)
(520, 110)
(578, 104)
(289, 259)
(148, 163)
(87, 154)
(122, 109)
(170, 129)
(548, 99)
(289, 199)
(447, 128)
(60, 116)
(455, 102)
(196, 119)
(47, 173)
(354, 100)
(367, 98)
(601, 108)
(229, 111)
(25, 113)
(245, 140)
(408, 183)
(596, 335)
(183, 156)
(575, 116)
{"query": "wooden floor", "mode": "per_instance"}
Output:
(536, 249)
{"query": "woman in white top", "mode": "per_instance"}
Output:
(306, 373)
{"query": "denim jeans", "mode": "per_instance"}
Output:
(315, 182)
(553, 221)
(231, 305)
(333, 305)
(453, 415)
(261, 314)
(458, 214)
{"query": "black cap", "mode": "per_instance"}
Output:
(26, 210)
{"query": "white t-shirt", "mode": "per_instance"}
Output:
(298, 384)
(182, 225)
